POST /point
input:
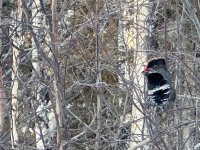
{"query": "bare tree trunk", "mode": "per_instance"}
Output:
(16, 41)
(57, 83)
(98, 80)
(14, 134)
(42, 139)
(138, 129)
(2, 92)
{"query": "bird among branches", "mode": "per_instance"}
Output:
(159, 85)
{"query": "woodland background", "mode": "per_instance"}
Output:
(70, 74)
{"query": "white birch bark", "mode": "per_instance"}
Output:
(133, 39)
(14, 134)
(38, 128)
(14, 103)
(45, 126)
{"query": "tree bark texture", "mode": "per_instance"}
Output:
(14, 105)
(57, 78)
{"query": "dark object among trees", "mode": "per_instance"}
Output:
(160, 91)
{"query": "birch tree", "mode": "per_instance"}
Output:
(17, 42)
(43, 137)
